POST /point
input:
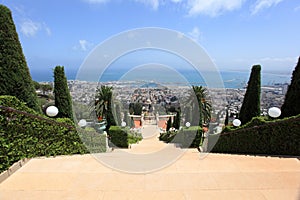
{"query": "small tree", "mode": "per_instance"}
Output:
(251, 103)
(291, 105)
(15, 78)
(102, 105)
(62, 95)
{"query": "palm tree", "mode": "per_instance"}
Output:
(102, 105)
(198, 101)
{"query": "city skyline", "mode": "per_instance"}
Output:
(236, 34)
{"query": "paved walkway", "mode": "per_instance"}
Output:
(217, 176)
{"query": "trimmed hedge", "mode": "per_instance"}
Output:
(94, 141)
(122, 137)
(25, 134)
(187, 138)
(278, 137)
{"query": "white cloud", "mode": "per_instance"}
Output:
(195, 34)
(46, 29)
(176, 1)
(153, 3)
(297, 8)
(212, 7)
(83, 45)
(30, 28)
(263, 4)
(96, 1)
(284, 59)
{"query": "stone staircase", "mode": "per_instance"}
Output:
(150, 142)
(148, 155)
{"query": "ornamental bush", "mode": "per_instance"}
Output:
(276, 137)
(186, 138)
(122, 137)
(25, 134)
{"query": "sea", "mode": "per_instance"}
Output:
(230, 79)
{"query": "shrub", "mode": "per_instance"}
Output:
(278, 137)
(94, 141)
(122, 137)
(25, 134)
(188, 137)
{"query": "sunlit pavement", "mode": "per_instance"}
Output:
(217, 176)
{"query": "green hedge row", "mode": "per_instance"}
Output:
(25, 134)
(260, 136)
(187, 138)
(122, 137)
(94, 141)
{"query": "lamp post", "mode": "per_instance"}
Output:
(52, 111)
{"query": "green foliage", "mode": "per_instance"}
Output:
(134, 137)
(198, 100)
(102, 105)
(62, 95)
(251, 103)
(277, 137)
(187, 138)
(15, 77)
(135, 108)
(187, 114)
(176, 120)
(122, 137)
(117, 114)
(291, 105)
(24, 134)
(82, 111)
(94, 141)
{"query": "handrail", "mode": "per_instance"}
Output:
(50, 121)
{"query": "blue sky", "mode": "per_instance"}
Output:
(235, 33)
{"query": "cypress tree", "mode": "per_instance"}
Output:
(291, 105)
(62, 95)
(251, 104)
(15, 77)
(176, 123)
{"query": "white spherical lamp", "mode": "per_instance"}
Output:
(188, 124)
(82, 123)
(123, 124)
(236, 122)
(52, 111)
(274, 112)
